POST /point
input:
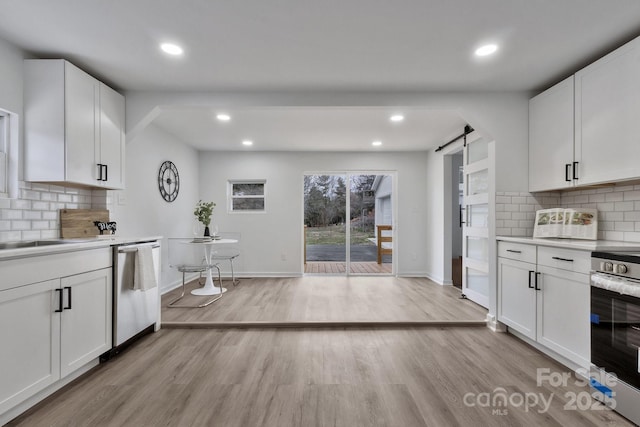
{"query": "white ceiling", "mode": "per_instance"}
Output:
(310, 45)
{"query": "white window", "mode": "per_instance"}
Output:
(247, 195)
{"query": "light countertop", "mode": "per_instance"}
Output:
(585, 245)
(72, 245)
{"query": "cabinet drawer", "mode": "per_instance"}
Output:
(565, 259)
(517, 251)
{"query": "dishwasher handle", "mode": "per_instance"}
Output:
(134, 248)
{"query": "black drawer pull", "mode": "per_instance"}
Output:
(561, 259)
(566, 172)
(59, 310)
(537, 288)
(530, 281)
(68, 288)
(514, 251)
(575, 170)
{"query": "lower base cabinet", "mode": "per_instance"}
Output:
(50, 329)
(546, 303)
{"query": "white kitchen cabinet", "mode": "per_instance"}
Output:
(74, 126)
(551, 130)
(516, 296)
(56, 312)
(563, 306)
(607, 144)
(546, 300)
(86, 327)
(582, 130)
(30, 336)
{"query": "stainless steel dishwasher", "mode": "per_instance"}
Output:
(134, 312)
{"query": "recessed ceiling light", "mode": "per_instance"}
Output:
(247, 142)
(487, 49)
(223, 117)
(376, 143)
(396, 118)
(171, 49)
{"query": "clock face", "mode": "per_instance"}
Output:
(168, 181)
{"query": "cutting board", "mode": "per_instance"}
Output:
(77, 223)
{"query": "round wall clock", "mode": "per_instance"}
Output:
(168, 181)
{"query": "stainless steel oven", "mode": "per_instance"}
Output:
(615, 331)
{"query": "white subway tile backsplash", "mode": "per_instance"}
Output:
(35, 214)
(31, 235)
(624, 206)
(21, 225)
(20, 204)
(41, 206)
(618, 210)
(614, 197)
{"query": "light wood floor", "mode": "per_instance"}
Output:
(282, 378)
(340, 268)
(336, 299)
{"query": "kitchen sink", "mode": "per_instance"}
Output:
(34, 243)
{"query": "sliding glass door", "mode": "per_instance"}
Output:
(343, 216)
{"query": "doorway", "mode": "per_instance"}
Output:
(348, 223)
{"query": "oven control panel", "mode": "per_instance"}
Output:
(611, 267)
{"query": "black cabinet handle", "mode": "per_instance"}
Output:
(100, 171)
(514, 251)
(461, 221)
(561, 259)
(106, 172)
(536, 282)
(530, 281)
(575, 170)
(68, 307)
(566, 172)
(59, 310)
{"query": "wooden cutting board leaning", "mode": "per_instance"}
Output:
(78, 223)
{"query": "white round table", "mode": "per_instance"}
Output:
(208, 245)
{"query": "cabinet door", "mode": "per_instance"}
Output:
(517, 296)
(607, 111)
(30, 356)
(551, 138)
(86, 327)
(81, 125)
(563, 313)
(112, 142)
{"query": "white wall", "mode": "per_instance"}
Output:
(140, 210)
(271, 242)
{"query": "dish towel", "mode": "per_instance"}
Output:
(144, 275)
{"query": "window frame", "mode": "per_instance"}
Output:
(231, 197)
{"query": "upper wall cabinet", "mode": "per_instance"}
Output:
(582, 130)
(607, 112)
(551, 163)
(74, 127)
